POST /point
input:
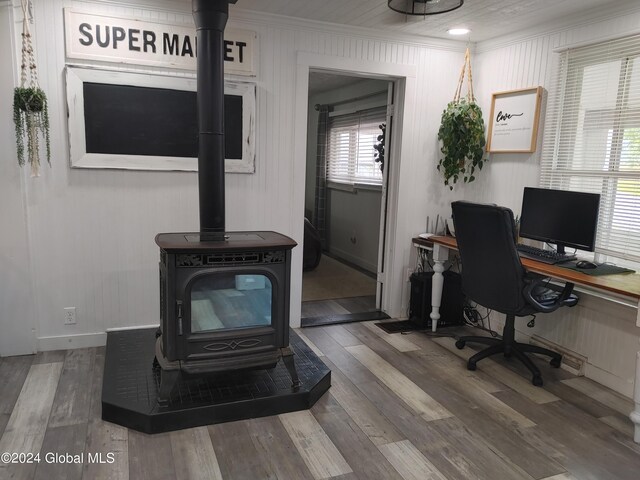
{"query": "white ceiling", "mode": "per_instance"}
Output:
(486, 18)
(324, 81)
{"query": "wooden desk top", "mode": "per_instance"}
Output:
(626, 284)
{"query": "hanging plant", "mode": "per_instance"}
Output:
(378, 156)
(462, 134)
(30, 111)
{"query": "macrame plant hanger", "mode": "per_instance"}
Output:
(462, 132)
(30, 102)
(466, 69)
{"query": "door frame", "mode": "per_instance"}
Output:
(404, 78)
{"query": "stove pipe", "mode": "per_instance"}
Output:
(210, 18)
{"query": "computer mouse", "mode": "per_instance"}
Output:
(586, 264)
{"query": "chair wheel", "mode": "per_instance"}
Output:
(537, 380)
(555, 362)
(471, 365)
(460, 344)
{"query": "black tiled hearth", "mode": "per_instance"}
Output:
(130, 388)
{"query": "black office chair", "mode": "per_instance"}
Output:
(493, 276)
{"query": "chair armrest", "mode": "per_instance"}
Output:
(564, 297)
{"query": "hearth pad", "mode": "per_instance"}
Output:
(130, 388)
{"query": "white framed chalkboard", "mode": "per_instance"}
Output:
(135, 121)
(513, 123)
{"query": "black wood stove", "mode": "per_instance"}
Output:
(222, 350)
(224, 295)
(224, 304)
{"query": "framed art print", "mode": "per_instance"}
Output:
(514, 119)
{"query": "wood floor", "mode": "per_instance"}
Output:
(400, 407)
(334, 278)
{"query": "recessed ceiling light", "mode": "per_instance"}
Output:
(458, 31)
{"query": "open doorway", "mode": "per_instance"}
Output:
(347, 130)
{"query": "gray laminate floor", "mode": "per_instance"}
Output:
(400, 407)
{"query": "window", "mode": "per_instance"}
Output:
(592, 138)
(350, 153)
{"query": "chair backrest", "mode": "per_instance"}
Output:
(492, 274)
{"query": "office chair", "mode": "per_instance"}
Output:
(493, 276)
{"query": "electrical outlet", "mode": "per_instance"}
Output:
(69, 315)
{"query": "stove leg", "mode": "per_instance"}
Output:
(287, 358)
(168, 381)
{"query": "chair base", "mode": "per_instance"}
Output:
(509, 347)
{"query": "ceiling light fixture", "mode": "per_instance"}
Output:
(424, 7)
(458, 31)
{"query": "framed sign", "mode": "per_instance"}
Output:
(137, 121)
(107, 38)
(513, 126)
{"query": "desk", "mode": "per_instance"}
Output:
(624, 286)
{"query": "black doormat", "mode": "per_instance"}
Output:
(130, 388)
(343, 318)
(399, 326)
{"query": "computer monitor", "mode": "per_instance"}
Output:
(567, 219)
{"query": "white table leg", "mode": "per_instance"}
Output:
(635, 415)
(440, 255)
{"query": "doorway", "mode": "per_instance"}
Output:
(349, 122)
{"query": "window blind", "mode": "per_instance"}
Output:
(350, 141)
(592, 137)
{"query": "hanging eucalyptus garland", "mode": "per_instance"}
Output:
(30, 111)
(462, 134)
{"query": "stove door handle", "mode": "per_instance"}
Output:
(179, 315)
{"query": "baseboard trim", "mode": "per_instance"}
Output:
(136, 327)
(609, 380)
(360, 262)
(68, 342)
(571, 361)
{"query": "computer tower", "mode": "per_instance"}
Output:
(451, 309)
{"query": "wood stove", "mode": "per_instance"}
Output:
(224, 304)
(224, 295)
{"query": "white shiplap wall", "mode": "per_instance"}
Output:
(92, 231)
(84, 238)
(598, 329)
(17, 318)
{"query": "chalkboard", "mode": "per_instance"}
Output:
(128, 120)
(150, 122)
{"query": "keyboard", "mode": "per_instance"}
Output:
(544, 256)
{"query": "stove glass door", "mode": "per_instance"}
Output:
(227, 300)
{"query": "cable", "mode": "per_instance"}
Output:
(555, 249)
(475, 320)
